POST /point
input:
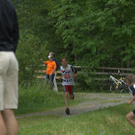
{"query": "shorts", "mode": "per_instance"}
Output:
(8, 81)
(68, 88)
(133, 111)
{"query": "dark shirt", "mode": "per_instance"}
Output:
(132, 89)
(73, 69)
(9, 32)
(57, 63)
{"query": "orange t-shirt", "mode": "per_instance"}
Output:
(50, 67)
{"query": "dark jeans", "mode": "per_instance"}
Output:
(51, 79)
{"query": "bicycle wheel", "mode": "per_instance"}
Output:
(105, 85)
(119, 88)
(113, 87)
(124, 88)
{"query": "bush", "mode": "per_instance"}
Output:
(38, 98)
(30, 50)
(86, 83)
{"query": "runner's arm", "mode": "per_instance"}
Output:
(130, 101)
(74, 71)
(61, 74)
(60, 77)
(74, 76)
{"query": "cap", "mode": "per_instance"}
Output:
(50, 57)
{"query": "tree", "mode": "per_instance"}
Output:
(99, 31)
(28, 54)
(96, 33)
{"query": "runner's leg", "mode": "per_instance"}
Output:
(65, 88)
(130, 117)
(66, 99)
(71, 89)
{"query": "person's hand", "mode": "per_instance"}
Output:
(59, 78)
(74, 76)
(129, 102)
(50, 75)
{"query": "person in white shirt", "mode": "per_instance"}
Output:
(68, 81)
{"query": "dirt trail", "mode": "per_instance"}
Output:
(91, 102)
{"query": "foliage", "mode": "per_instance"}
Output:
(33, 15)
(90, 33)
(99, 31)
(29, 52)
(84, 83)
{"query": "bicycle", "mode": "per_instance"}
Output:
(113, 84)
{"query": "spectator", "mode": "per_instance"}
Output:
(50, 71)
(9, 35)
(57, 67)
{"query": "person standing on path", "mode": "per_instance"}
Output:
(57, 67)
(9, 35)
(68, 81)
(50, 71)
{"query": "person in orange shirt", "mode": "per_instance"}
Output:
(50, 71)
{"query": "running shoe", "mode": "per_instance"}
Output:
(67, 111)
(73, 97)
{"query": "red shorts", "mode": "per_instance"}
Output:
(68, 88)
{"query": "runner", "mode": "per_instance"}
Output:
(68, 81)
(130, 80)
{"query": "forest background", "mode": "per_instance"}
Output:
(92, 33)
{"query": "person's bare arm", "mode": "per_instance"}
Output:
(60, 77)
(130, 101)
(42, 61)
(74, 76)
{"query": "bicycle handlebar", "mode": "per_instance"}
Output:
(109, 73)
(120, 75)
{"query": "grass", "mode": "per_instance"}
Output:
(110, 101)
(41, 98)
(108, 121)
(34, 120)
(35, 99)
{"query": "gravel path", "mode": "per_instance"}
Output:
(91, 102)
